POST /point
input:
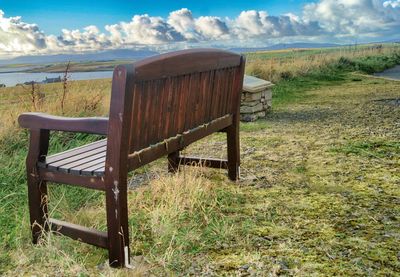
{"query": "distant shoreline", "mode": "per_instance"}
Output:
(60, 67)
(59, 72)
(23, 77)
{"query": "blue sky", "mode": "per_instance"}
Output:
(53, 16)
(51, 27)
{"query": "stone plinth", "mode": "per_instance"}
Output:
(256, 99)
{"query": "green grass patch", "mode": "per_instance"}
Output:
(291, 89)
(294, 89)
(373, 149)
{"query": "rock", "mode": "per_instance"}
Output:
(252, 109)
(253, 84)
(248, 96)
(250, 117)
(256, 99)
(250, 103)
(267, 94)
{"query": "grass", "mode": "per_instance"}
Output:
(319, 193)
(376, 149)
(298, 63)
(312, 71)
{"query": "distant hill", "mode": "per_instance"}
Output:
(396, 40)
(121, 54)
(282, 46)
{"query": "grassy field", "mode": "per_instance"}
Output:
(319, 193)
(287, 64)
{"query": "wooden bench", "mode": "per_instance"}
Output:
(159, 105)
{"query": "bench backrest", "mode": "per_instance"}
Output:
(160, 97)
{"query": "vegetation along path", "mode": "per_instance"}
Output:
(319, 195)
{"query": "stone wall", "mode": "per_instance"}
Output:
(256, 99)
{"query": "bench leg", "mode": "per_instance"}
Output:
(117, 223)
(37, 188)
(233, 151)
(37, 196)
(173, 162)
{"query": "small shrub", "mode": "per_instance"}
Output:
(345, 63)
(286, 75)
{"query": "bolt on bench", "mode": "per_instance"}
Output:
(159, 105)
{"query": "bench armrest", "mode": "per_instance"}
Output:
(91, 125)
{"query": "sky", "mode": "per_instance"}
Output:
(50, 27)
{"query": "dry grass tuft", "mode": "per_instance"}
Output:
(85, 98)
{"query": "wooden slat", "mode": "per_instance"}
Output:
(174, 107)
(156, 111)
(75, 157)
(209, 97)
(196, 86)
(99, 171)
(78, 232)
(230, 95)
(76, 151)
(91, 182)
(84, 169)
(78, 164)
(168, 94)
(145, 110)
(189, 103)
(160, 116)
(181, 111)
(94, 170)
(136, 115)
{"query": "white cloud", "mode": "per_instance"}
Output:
(204, 28)
(353, 17)
(182, 20)
(332, 20)
(258, 24)
(212, 28)
(19, 37)
(88, 39)
(393, 3)
(144, 29)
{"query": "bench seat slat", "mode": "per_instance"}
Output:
(87, 160)
(78, 150)
(82, 161)
(86, 168)
(76, 157)
(99, 171)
